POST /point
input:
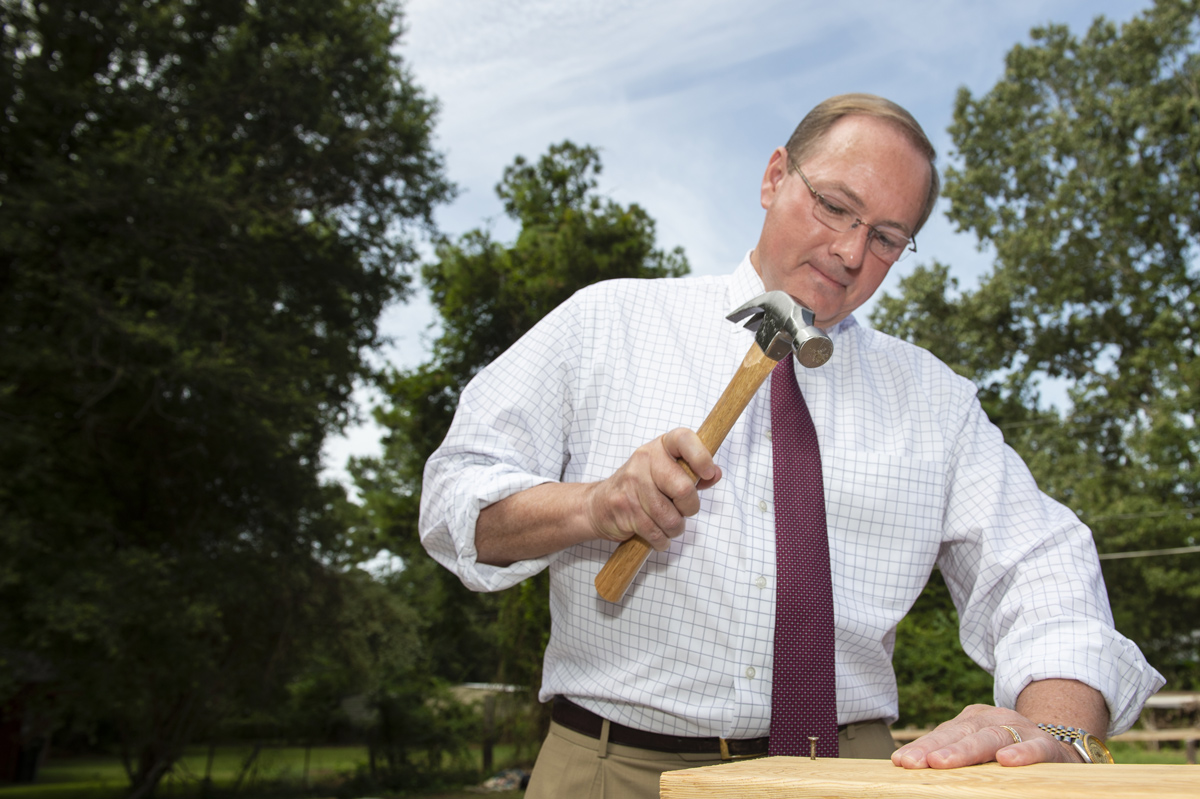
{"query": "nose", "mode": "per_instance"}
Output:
(851, 245)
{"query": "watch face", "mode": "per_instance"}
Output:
(1097, 750)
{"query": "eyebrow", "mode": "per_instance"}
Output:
(842, 188)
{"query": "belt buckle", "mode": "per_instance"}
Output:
(726, 756)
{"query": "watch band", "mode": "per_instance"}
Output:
(1089, 747)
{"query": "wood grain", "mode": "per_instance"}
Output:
(845, 778)
(626, 561)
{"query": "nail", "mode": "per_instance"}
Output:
(812, 747)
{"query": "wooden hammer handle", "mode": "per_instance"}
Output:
(623, 565)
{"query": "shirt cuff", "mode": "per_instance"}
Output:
(453, 543)
(1077, 649)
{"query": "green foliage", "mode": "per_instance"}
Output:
(1080, 169)
(371, 636)
(418, 725)
(488, 294)
(203, 209)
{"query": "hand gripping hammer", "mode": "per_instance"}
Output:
(781, 327)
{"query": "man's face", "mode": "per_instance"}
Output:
(867, 167)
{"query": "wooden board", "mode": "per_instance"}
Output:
(845, 778)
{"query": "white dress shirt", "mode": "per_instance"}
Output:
(914, 475)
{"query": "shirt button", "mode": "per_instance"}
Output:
(750, 672)
(760, 581)
(762, 506)
(768, 434)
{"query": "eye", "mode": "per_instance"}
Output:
(830, 208)
(887, 241)
(884, 241)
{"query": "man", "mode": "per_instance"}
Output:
(557, 451)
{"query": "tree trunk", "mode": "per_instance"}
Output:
(489, 731)
(206, 785)
(246, 766)
(152, 768)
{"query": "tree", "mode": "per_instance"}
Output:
(204, 208)
(1079, 168)
(487, 295)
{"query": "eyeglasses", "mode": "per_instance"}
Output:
(889, 244)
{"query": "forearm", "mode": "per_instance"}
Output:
(533, 523)
(650, 495)
(1066, 702)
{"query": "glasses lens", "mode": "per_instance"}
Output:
(833, 215)
(888, 244)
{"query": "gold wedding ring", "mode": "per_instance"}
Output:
(1016, 736)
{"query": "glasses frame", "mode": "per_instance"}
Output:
(873, 233)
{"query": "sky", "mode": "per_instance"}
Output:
(686, 99)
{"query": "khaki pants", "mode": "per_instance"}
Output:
(573, 766)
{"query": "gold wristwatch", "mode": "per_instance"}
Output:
(1089, 747)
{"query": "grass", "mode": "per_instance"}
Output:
(100, 777)
(1168, 753)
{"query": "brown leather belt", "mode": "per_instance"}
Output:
(585, 722)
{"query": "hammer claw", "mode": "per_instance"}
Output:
(781, 325)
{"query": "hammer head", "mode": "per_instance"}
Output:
(782, 326)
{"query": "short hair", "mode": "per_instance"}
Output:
(816, 124)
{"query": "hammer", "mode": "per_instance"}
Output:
(781, 327)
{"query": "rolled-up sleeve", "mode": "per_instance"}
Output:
(453, 496)
(1025, 576)
(1099, 657)
(507, 436)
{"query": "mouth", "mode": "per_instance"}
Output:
(839, 282)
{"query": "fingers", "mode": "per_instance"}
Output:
(651, 495)
(915, 754)
(981, 734)
(1041, 749)
(682, 443)
(987, 745)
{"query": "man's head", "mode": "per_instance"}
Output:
(857, 168)
(807, 136)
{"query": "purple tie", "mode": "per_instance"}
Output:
(804, 691)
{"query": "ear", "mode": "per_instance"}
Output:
(777, 169)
